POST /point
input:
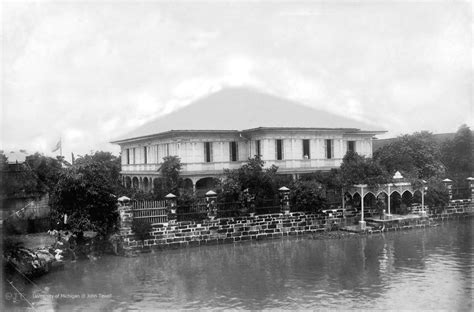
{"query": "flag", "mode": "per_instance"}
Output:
(58, 146)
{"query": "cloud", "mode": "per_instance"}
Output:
(104, 69)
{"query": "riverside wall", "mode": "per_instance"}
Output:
(183, 234)
(228, 230)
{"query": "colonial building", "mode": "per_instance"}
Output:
(223, 130)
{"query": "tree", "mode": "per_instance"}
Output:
(307, 195)
(253, 176)
(109, 164)
(170, 171)
(416, 156)
(85, 192)
(458, 154)
(46, 170)
(437, 195)
(356, 169)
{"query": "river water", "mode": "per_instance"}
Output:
(426, 269)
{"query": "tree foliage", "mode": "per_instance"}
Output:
(46, 170)
(307, 195)
(356, 169)
(85, 192)
(37, 175)
(414, 155)
(170, 170)
(109, 165)
(458, 153)
(253, 176)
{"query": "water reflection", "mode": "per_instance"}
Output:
(419, 269)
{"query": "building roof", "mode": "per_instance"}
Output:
(16, 157)
(240, 109)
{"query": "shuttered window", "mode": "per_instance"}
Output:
(279, 149)
(233, 151)
(306, 151)
(207, 151)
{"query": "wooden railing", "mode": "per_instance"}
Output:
(150, 211)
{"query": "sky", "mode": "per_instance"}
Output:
(89, 71)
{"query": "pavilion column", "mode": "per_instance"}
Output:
(362, 223)
(388, 204)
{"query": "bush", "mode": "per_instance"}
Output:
(141, 229)
(307, 196)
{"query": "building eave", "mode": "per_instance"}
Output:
(259, 129)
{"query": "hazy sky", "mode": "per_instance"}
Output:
(91, 71)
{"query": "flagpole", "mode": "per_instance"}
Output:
(61, 146)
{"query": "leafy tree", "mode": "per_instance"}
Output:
(109, 164)
(307, 195)
(46, 170)
(85, 192)
(437, 195)
(170, 172)
(458, 154)
(416, 156)
(16, 180)
(356, 169)
(259, 180)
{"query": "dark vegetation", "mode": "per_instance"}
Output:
(87, 190)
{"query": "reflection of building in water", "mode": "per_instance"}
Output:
(386, 258)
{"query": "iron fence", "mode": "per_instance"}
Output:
(192, 212)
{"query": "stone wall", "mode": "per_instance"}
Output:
(272, 226)
(228, 230)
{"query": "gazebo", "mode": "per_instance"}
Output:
(366, 193)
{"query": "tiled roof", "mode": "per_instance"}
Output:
(240, 109)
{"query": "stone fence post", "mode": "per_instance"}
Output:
(284, 199)
(171, 207)
(125, 215)
(211, 198)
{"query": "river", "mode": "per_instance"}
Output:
(425, 269)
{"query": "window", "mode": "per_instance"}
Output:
(167, 149)
(128, 156)
(351, 146)
(233, 151)
(207, 151)
(279, 149)
(306, 153)
(257, 148)
(145, 158)
(329, 149)
(134, 155)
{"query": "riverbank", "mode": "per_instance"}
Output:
(175, 235)
(33, 255)
(428, 267)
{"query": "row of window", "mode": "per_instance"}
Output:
(234, 150)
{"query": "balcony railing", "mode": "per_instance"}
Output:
(283, 165)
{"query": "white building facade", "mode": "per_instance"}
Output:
(205, 154)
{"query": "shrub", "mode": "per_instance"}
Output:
(141, 228)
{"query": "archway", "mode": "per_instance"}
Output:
(369, 200)
(145, 184)
(135, 183)
(205, 184)
(128, 182)
(395, 202)
(187, 186)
